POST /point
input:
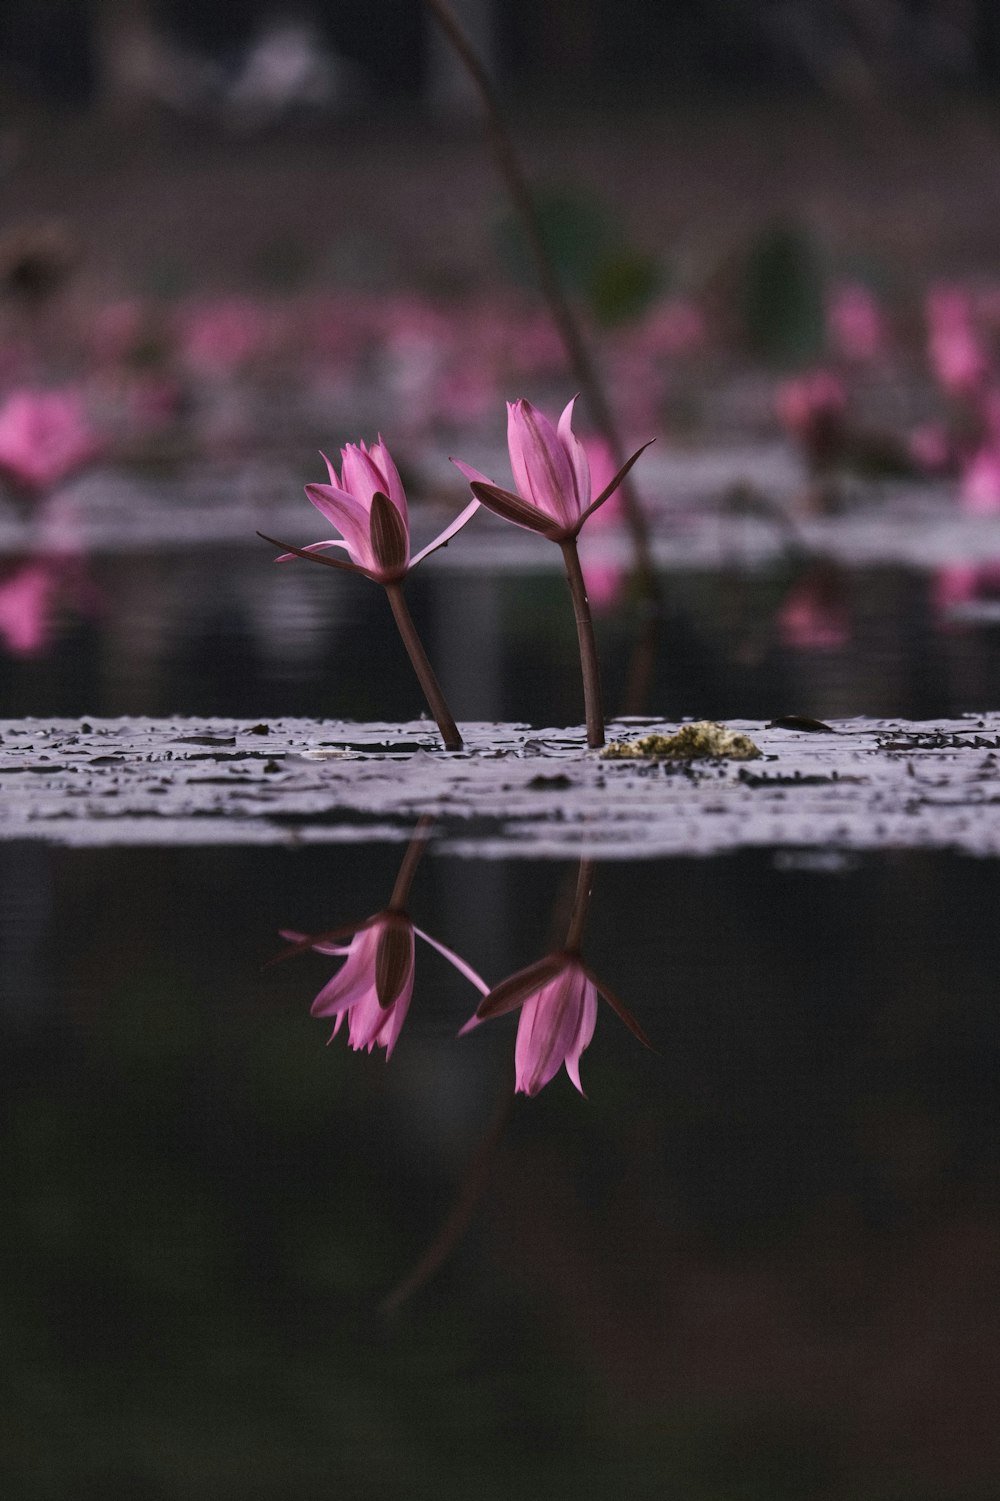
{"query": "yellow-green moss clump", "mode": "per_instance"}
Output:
(701, 740)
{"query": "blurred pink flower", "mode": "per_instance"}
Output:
(367, 504)
(44, 436)
(551, 471)
(931, 447)
(959, 361)
(604, 579)
(216, 338)
(675, 326)
(374, 986)
(855, 323)
(811, 407)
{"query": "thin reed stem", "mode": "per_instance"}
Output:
(577, 352)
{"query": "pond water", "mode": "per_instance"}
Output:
(757, 1263)
(221, 631)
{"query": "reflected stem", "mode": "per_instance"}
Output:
(589, 665)
(568, 327)
(408, 869)
(581, 906)
(422, 667)
(471, 1190)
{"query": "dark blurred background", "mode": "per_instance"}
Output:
(148, 124)
(565, 50)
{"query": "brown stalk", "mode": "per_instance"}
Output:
(422, 667)
(591, 387)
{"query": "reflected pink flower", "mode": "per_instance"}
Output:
(957, 586)
(44, 436)
(814, 615)
(25, 599)
(855, 323)
(367, 504)
(558, 1000)
(374, 986)
(555, 1026)
(980, 488)
(551, 471)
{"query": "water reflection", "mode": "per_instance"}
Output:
(216, 633)
(373, 987)
(556, 995)
(759, 1265)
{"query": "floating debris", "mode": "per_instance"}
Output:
(699, 741)
(802, 722)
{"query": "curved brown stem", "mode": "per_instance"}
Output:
(589, 665)
(562, 313)
(422, 667)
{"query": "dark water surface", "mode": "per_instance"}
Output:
(222, 631)
(759, 1264)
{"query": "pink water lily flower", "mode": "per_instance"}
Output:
(366, 503)
(551, 471)
(44, 436)
(374, 986)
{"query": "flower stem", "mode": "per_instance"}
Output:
(588, 646)
(422, 667)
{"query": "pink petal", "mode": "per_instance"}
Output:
(472, 475)
(577, 455)
(585, 1031)
(453, 958)
(334, 476)
(289, 557)
(549, 1030)
(361, 474)
(393, 484)
(443, 538)
(349, 517)
(353, 982)
(540, 464)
